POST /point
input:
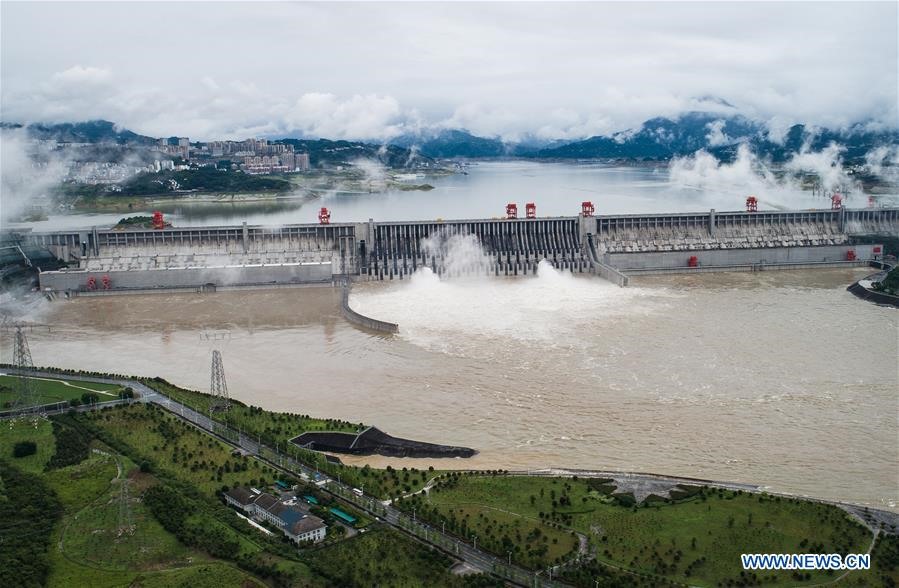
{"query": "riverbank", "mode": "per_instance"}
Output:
(132, 203)
(305, 187)
(865, 289)
(587, 527)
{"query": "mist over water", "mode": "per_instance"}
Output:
(456, 312)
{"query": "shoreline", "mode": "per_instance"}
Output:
(888, 515)
(866, 293)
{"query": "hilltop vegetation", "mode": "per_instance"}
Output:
(663, 138)
(326, 153)
(204, 179)
(696, 537)
(142, 507)
(27, 505)
(92, 131)
(890, 284)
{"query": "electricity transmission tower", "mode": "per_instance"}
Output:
(218, 387)
(25, 393)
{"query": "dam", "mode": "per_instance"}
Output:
(202, 259)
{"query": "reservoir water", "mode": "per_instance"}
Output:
(557, 188)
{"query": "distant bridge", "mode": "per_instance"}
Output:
(203, 258)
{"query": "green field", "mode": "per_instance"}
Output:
(49, 390)
(387, 558)
(41, 433)
(276, 429)
(106, 536)
(697, 540)
(177, 448)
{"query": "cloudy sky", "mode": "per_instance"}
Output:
(374, 70)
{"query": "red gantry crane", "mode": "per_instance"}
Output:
(587, 208)
(158, 221)
(511, 210)
(324, 216)
(530, 210)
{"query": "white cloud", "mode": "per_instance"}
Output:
(372, 70)
(884, 162)
(25, 181)
(325, 115)
(82, 75)
(827, 164)
(716, 135)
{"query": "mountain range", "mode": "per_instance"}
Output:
(661, 139)
(657, 139)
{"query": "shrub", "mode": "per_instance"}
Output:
(72, 445)
(24, 449)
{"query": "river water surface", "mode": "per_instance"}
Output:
(778, 378)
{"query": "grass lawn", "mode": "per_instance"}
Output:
(213, 574)
(49, 390)
(116, 531)
(79, 484)
(281, 425)
(12, 432)
(86, 548)
(184, 451)
(384, 558)
(500, 523)
(698, 540)
(278, 428)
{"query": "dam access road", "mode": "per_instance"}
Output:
(641, 484)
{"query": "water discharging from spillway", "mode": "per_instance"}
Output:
(546, 309)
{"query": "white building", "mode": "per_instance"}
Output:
(293, 522)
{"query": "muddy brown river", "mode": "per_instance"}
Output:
(782, 379)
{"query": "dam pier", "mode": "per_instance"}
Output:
(204, 259)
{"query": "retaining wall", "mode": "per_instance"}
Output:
(362, 320)
(876, 297)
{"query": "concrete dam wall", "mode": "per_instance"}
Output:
(509, 247)
(741, 240)
(611, 246)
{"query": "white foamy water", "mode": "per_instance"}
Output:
(459, 314)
